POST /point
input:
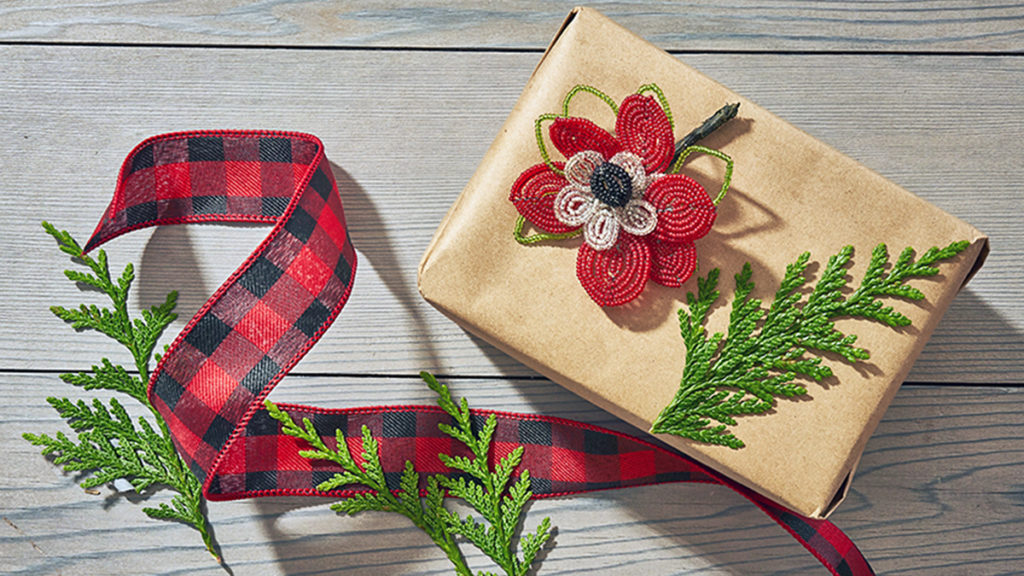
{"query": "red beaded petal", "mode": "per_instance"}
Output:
(534, 194)
(672, 264)
(644, 129)
(617, 275)
(572, 135)
(685, 211)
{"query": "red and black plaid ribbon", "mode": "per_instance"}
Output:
(210, 384)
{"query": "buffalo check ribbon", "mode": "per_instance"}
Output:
(210, 384)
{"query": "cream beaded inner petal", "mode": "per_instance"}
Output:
(602, 229)
(581, 166)
(634, 166)
(639, 217)
(574, 205)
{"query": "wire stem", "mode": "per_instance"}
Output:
(714, 122)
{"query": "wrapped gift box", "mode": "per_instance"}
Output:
(790, 193)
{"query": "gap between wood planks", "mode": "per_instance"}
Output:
(498, 50)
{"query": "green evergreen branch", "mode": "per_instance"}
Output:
(765, 350)
(110, 445)
(487, 491)
(109, 376)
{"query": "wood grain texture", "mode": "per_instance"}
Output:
(765, 25)
(938, 492)
(406, 130)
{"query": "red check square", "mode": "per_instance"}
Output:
(236, 355)
(427, 450)
(277, 179)
(261, 453)
(563, 468)
(309, 271)
(208, 178)
(262, 326)
(141, 187)
(288, 298)
(212, 385)
(395, 451)
(172, 181)
(242, 179)
(633, 465)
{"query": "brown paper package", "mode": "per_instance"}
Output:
(790, 193)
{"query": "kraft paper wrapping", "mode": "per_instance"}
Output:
(790, 193)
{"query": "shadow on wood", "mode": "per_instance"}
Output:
(367, 228)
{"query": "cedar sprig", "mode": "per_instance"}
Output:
(486, 490)
(766, 350)
(110, 445)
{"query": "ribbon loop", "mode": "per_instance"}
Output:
(272, 309)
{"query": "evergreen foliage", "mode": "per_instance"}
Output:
(110, 445)
(766, 350)
(486, 490)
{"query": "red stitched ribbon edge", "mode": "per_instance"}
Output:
(210, 384)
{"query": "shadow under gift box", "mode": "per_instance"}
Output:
(790, 193)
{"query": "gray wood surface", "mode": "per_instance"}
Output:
(926, 93)
(406, 131)
(943, 26)
(938, 492)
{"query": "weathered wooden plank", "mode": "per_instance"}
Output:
(768, 25)
(406, 130)
(938, 491)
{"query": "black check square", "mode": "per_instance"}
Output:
(321, 183)
(215, 485)
(321, 476)
(261, 480)
(260, 277)
(205, 149)
(210, 204)
(798, 526)
(275, 150)
(260, 375)
(313, 318)
(207, 334)
(261, 424)
(343, 270)
(218, 432)
(456, 474)
(140, 213)
(540, 485)
(673, 476)
(300, 225)
(535, 432)
(168, 389)
(476, 422)
(599, 443)
(393, 480)
(197, 470)
(142, 159)
(273, 205)
(399, 424)
(328, 423)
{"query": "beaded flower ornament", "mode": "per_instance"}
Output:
(639, 217)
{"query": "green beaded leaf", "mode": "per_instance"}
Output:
(766, 350)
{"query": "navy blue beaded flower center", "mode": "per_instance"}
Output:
(611, 184)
